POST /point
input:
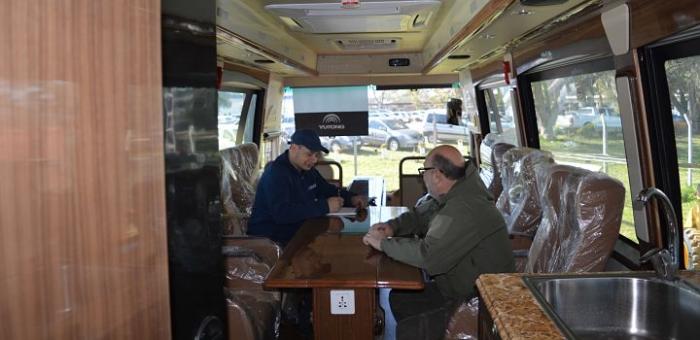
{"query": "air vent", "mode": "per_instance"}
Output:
(263, 61)
(367, 44)
(459, 56)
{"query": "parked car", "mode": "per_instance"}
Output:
(339, 143)
(392, 133)
(589, 115)
(437, 123)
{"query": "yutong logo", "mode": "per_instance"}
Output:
(331, 121)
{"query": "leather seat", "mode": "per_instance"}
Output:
(520, 200)
(581, 217)
(239, 176)
(582, 213)
(497, 152)
(253, 313)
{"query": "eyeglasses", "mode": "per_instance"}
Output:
(422, 170)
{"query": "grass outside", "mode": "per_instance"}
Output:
(588, 150)
(372, 161)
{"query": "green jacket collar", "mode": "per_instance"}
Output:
(460, 186)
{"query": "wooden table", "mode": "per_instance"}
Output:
(327, 254)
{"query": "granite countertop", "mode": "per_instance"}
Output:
(516, 312)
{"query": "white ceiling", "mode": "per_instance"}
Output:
(515, 22)
(408, 39)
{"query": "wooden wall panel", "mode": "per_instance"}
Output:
(653, 20)
(82, 208)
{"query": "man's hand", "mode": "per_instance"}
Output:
(374, 238)
(359, 201)
(384, 228)
(334, 203)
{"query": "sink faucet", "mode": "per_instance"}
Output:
(664, 261)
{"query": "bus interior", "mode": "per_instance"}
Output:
(133, 136)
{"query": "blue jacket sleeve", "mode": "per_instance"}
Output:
(286, 208)
(328, 190)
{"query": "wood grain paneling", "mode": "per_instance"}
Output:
(82, 209)
(357, 326)
(488, 14)
(652, 20)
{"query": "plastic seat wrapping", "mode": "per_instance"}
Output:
(581, 217)
(239, 176)
(497, 152)
(253, 313)
(492, 150)
(464, 323)
(520, 202)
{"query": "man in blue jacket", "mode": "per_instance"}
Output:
(291, 191)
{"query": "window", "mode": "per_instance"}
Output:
(683, 77)
(672, 90)
(579, 122)
(499, 105)
(398, 123)
(232, 105)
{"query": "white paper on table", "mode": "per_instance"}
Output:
(348, 211)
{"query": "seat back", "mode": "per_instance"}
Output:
(497, 152)
(581, 217)
(239, 176)
(411, 186)
(253, 313)
(520, 200)
(491, 153)
(332, 171)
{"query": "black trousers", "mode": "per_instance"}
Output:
(421, 314)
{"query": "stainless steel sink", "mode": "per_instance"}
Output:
(615, 307)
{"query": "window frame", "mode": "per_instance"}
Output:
(525, 81)
(249, 94)
(657, 103)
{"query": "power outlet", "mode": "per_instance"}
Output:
(343, 302)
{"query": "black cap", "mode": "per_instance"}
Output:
(309, 139)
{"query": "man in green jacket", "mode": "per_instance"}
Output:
(455, 236)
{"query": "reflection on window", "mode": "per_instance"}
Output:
(501, 117)
(230, 107)
(401, 123)
(579, 122)
(683, 82)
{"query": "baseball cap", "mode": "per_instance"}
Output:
(309, 139)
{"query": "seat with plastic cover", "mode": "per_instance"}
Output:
(491, 152)
(581, 217)
(497, 152)
(520, 200)
(253, 313)
(239, 176)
